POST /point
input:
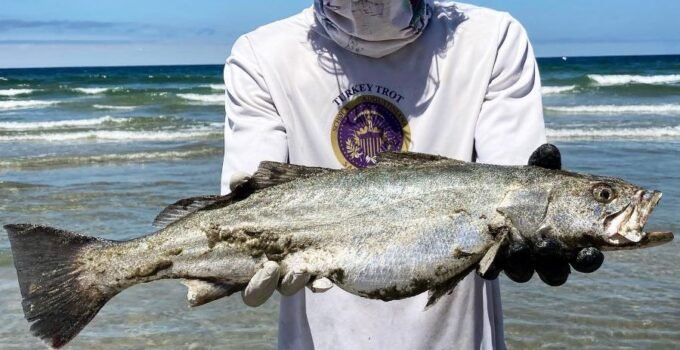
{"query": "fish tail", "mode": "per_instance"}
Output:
(57, 301)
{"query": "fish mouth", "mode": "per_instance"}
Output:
(626, 226)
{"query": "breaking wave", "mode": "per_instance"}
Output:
(42, 162)
(624, 79)
(92, 91)
(3, 79)
(10, 105)
(156, 123)
(118, 136)
(15, 92)
(623, 133)
(617, 109)
(207, 99)
(59, 124)
(219, 87)
(125, 108)
(553, 90)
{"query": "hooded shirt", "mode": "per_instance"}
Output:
(373, 28)
(468, 88)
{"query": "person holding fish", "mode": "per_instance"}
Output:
(321, 108)
(346, 80)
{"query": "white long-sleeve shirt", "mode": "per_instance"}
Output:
(468, 87)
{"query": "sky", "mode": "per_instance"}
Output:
(48, 33)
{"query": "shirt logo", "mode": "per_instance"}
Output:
(365, 127)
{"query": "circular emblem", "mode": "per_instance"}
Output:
(366, 127)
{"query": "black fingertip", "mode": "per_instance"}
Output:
(519, 275)
(519, 263)
(551, 262)
(588, 260)
(546, 156)
(549, 249)
(553, 273)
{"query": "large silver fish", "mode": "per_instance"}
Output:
(411, 224)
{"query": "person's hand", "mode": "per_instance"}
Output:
(548, 258)
(268, 278)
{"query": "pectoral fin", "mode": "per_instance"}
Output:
(487, 261)
(202, 292)
(435, 294)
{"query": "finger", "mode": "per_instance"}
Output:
(262, 285)
(548, 248)
(292, 282)
(553, 272)
(518, 263)
(320, 285)
(546, 156)
(238, 179)
(551, 263)
(588, 260)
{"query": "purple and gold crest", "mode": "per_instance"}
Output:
(365, 127)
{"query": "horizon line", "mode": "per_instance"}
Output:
(221, 64)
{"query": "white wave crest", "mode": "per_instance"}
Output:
(218, 87)
(3, 79)
(126, 108)
(117, 136)
(207, 99)
(10, 105)
(92, 91)
(16, 92)
(665, 109)
(624, 79)
(623, 133)
(57, 124)
(61, 161)
(554, 90)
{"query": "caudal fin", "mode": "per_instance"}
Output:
(55, 299)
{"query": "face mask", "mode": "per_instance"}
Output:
(373, 28)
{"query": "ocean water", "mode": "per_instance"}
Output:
(102, 150)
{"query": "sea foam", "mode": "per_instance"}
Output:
(15, 92)
(554, 90)
(218, 87)
(623, 133)
(623, 79)
(665, 109)
(126, 108)
(41, 162)
(92, 91)
(10, 105)
(60, 124)
(207, 99)
(117, 136)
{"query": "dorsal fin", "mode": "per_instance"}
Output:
(407, 158)
(182, 208)
(268, 174)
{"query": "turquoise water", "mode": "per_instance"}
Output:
(102, 150)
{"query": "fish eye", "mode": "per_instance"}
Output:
(603, 193)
